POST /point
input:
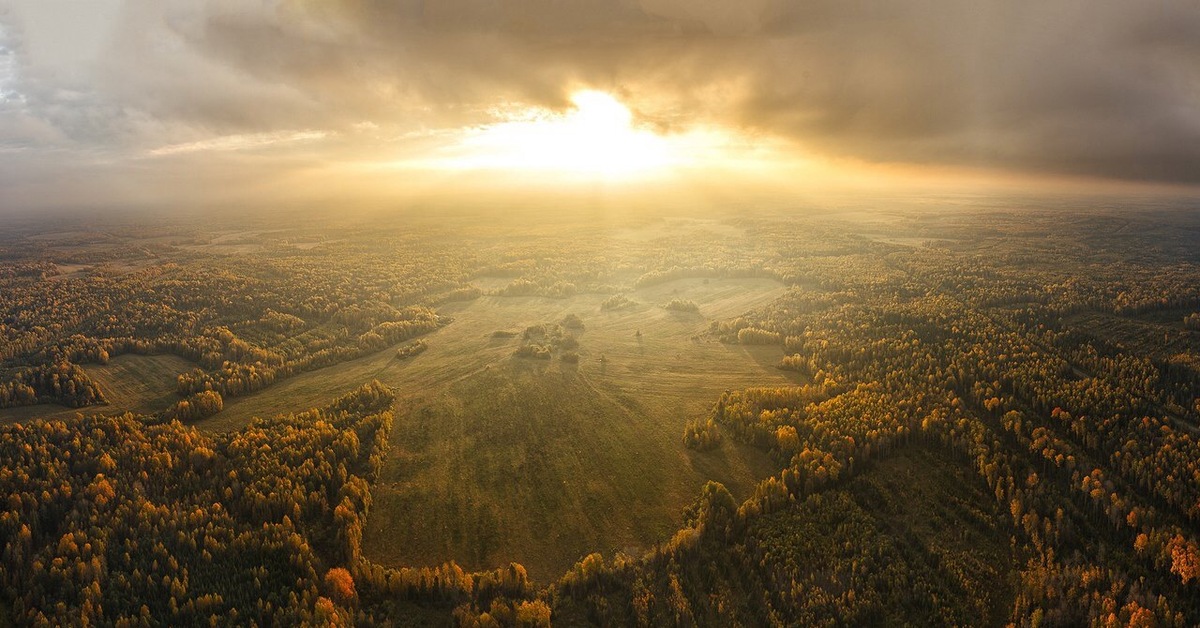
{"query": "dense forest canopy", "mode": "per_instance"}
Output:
(975, 416)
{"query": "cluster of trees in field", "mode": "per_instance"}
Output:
(701, 435)
(557, 289)
(682, 305)
(198, 406)
(545, 340)
(464, 293)
(616, 302)
(411, 350)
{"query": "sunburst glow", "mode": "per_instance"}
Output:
(598, 136)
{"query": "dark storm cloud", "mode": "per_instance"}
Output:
(1095, 88)
(1099, 88)
(1103, 88)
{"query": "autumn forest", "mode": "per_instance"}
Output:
(982, 413)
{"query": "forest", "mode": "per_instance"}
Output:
(986, 414)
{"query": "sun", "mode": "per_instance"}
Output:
(596, 137)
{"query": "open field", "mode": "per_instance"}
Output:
(669, 356)
(131, 383)
(140, 383)
(530, 463)
(611, 443)
(50, 411)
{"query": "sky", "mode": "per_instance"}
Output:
(108, 103)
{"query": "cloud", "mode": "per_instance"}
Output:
(1102, 88)
(1099, 88)
(238, 142)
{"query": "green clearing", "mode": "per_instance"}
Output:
(583, 457)
(140, 383)
(130, 383)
